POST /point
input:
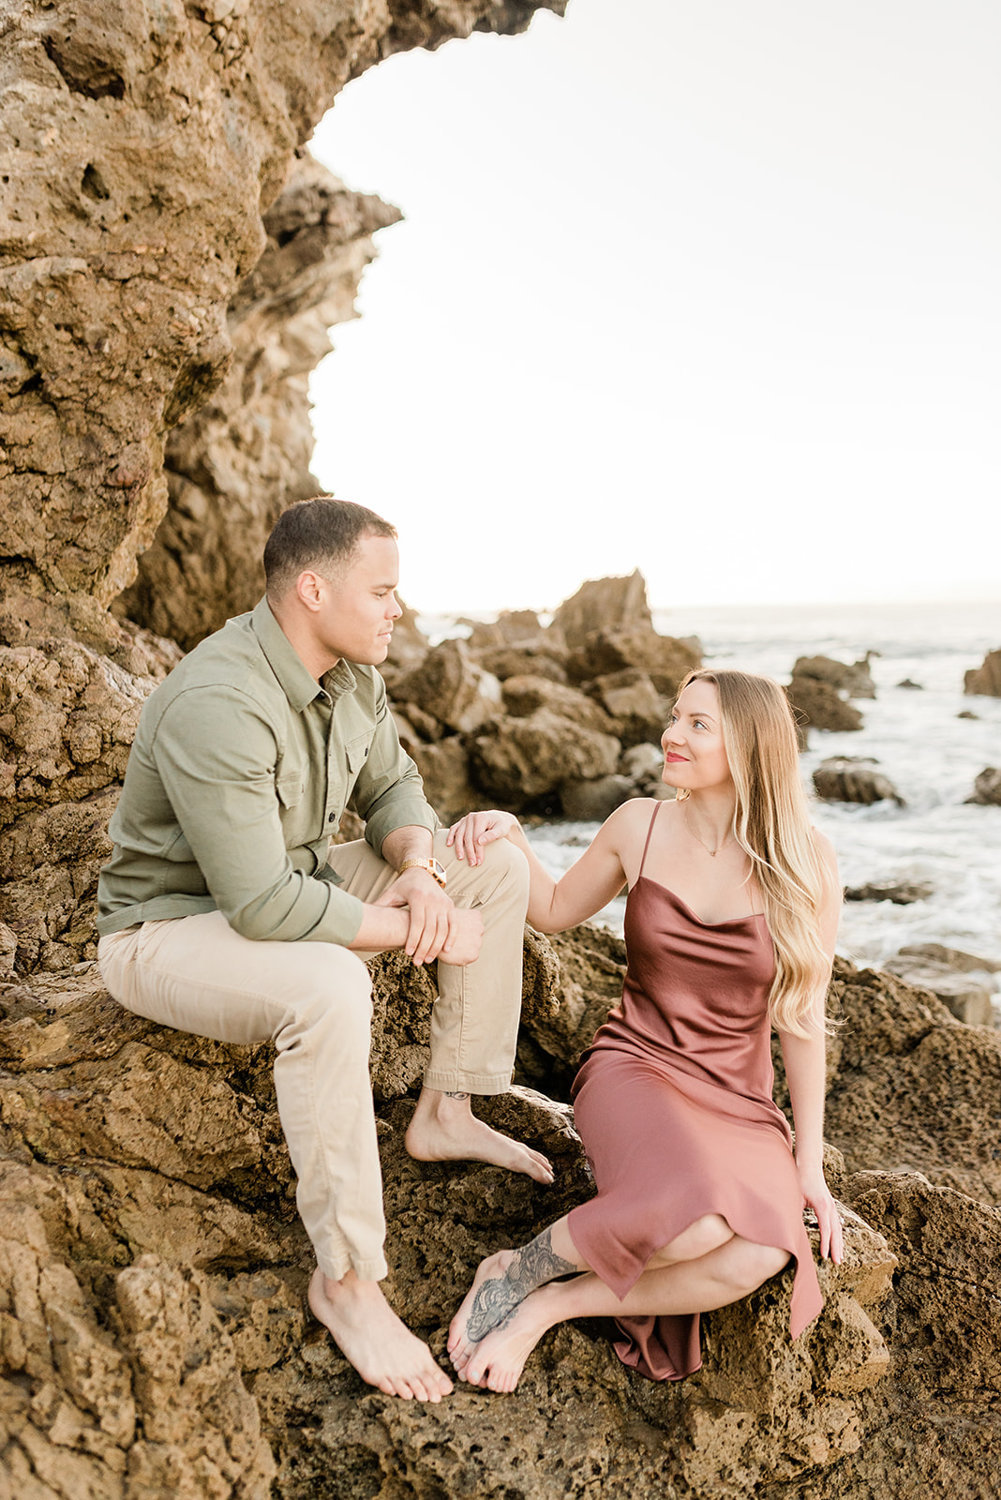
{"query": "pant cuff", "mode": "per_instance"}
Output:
(338, 1266)
(455, 1081)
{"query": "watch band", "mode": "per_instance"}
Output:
(434, 869)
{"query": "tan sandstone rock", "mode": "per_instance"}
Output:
(521, 759)
(985, 679)
(854, 679)
(449, 685)
(604, 604)
(245, 455)
(662, 658)
(821, 706)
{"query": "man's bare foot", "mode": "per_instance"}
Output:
(480, 1311)
(444, 1128)
(498, 1360)
(371, 1337)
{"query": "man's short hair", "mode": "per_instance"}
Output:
(320, 534)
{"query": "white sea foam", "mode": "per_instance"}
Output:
(930, 754)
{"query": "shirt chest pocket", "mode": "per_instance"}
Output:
(291, 788)
(356, 756)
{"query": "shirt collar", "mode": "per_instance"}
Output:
(298, 684)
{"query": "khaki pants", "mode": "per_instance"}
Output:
(313, 1000)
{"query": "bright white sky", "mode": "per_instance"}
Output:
(709, 289)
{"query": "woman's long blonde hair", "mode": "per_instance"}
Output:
(771, 824)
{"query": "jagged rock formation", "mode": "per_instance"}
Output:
(164, 240)
(985, 679)
(143, 144)
(534, 717)
(854, 679)
(245, 454)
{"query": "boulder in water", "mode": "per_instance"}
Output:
(985, 679)
(849, 778)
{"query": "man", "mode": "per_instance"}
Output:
(225, 911)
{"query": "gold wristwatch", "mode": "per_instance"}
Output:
(434, 869)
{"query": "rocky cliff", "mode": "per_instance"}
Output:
(170, 261)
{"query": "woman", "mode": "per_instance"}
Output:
(730, 925)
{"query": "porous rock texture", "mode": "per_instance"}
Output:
(236, 463)
(154, 1337)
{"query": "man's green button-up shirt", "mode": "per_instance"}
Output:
(241, 768)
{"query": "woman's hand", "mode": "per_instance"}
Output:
(469, 835)
(819, 1197)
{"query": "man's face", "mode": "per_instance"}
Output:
(360, 606)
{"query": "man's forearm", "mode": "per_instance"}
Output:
(381, 927)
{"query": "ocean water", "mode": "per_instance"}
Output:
(917, 739)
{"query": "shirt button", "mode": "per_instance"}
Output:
(331, 817)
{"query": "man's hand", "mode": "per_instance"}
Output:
(465, 936)
(432, 915)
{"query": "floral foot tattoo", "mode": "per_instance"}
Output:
(498, 1299)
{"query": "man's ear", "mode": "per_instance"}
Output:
(309, 589)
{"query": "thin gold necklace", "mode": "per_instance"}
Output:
(711, 852)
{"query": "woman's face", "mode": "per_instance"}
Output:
(694, 756)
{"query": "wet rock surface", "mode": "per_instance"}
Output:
(968, 997)
(850, 778)
(900, 892)
(987, 787)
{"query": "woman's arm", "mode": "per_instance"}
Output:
(805, 1066)
(553, 905)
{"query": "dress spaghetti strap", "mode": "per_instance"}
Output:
(649, 834)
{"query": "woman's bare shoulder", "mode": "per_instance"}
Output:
(631, 820)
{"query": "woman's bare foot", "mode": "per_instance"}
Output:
(498, 1360)
(371, 1337)
(444, 1128)
(481, 1309)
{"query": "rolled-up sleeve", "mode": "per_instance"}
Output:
(389, 792)
(216, 753)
